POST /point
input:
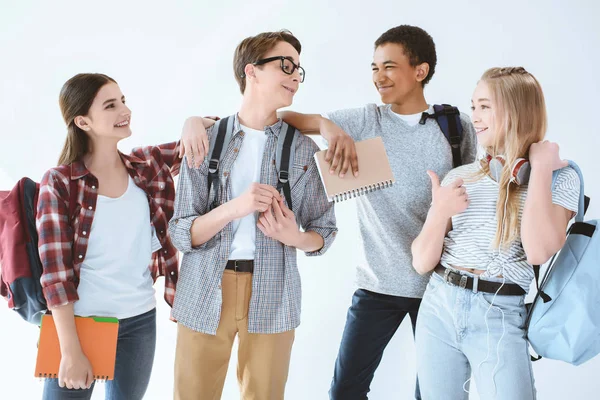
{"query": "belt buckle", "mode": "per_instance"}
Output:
(446, 276)
(463, 279)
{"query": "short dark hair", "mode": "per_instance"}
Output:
(254, 48)
(418, 46)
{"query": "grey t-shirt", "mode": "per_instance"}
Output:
(391, 219)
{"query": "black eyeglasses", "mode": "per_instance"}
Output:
(287, 65)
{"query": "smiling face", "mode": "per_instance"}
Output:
(270, 81)
(483, 115)
(108, 116)
(394, 78)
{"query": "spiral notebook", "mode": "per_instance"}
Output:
(98, 339)
(374, 172)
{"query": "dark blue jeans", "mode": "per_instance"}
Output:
(135, 356)
(371, 323)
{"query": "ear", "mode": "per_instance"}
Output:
(422, 70)
(82, 123)
(249, 71)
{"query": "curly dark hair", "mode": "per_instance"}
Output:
(418, 46)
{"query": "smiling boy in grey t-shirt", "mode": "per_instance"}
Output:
(389, 288)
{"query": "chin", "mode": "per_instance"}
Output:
(285, 103)
(125, 133)
(387, 98)
(484, 144)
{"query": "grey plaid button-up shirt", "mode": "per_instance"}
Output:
(276, 290)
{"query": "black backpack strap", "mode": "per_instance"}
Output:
(586, 203)
(284, 153)
(215, 159)
(448, 119)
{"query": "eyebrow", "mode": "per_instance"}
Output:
(111, 100)
(481, 99)
(292, 60)
(384, 63)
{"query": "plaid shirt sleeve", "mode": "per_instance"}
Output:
(55, 240)
(317, 213)
(169, 153)
(190, 203)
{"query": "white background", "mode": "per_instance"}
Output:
(174, 60)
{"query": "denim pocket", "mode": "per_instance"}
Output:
(435, 282)
(511, 305)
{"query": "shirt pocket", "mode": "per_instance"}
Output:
(162, 186)
(298, 175)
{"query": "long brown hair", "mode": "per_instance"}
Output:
(76, 98)
(521, 120)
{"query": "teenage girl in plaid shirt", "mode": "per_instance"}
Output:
(103, 260)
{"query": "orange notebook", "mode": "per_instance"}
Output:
(374, 172)
(98, 338)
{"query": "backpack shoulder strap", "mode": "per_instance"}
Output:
(284, 157)
(584, 201)
(448, 119)
(218, 142)
(583, 204)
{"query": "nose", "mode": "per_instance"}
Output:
(296, 75)
(378, 76)
(126, 111)
(475, 115)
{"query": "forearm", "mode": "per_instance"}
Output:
(206, 226)
(428, 246)
(205, 122)
(64, 319)
(306, 123)
(542, 230)
(309, 241)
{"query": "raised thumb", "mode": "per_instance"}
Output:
(435, 181)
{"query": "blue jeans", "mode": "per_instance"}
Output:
(453, 342)
(371, 323)
(135, 356)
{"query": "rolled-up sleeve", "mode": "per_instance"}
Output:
(55, 241)
(190, 203)
(317, 214)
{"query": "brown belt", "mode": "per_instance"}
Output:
(467, 282)
(240, 265)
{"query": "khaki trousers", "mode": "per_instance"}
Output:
(201, 360)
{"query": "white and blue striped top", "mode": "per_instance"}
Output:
(469, 243)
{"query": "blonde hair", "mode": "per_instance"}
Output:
(519, 113)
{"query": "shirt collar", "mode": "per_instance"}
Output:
(275, 128)
(79, 170)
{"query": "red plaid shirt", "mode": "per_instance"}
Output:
(152, 169)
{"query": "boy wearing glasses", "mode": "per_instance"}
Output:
(239, 274)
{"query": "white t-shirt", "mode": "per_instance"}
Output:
(245, 171)
(115, 280)
(468, 244)
(410, 119)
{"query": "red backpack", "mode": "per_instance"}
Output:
(20, 264)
